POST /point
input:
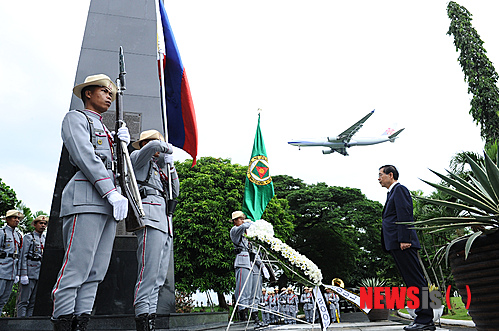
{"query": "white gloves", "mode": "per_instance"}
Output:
(169, 148)
(120, 205)
(24, 280)
(265, 272)
(169, 160)
(124, 135)
(16, 279)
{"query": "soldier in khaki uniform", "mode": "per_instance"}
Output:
(91, 205)
(30, 263)
(155, 241)
(242, 263)
(308, 304)
(292, 301)
(11, 241)
(265, 305)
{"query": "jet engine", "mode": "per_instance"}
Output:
(327, 151)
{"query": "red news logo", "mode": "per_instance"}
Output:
(395, 297)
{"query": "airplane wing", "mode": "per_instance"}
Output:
(348, 133)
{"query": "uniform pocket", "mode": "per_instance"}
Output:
(84, 192)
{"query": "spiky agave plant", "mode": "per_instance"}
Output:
(477, 203)
(372, 282)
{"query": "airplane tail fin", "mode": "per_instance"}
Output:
(393, 136)
(388, 132)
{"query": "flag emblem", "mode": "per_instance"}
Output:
(258, 186)
(258, 170)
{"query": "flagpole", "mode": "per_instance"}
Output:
(162, 57)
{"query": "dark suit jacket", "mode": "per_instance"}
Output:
(398, 208)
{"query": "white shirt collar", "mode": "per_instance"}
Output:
(391, 186)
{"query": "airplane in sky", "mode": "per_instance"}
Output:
(346, 139)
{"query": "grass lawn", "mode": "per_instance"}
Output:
(458, 311)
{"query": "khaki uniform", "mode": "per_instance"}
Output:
(10, 247)
(88, 225)
(30, 261)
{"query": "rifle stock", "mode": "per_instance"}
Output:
(124, 172)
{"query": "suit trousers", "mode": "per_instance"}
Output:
(153, 256)
(88, 242)
(410, 269)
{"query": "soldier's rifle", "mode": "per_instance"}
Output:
(124, 172)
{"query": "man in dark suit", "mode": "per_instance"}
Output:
(402, 241)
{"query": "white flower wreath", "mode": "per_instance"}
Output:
(263, 232)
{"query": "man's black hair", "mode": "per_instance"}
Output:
(387, 169)
(85, 89)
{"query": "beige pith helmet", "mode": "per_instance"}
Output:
(40, 218)
(148, 135)
(14, 212)
(237, 214)
(96, 80)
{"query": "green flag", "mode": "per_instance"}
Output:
(258, 189)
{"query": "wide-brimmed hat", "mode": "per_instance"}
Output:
(96, 80)
(148, 135)
(40, 218)
(237, 214)
(14, 212)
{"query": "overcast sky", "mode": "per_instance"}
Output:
(313, 67)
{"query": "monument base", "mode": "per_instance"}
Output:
(192, 321)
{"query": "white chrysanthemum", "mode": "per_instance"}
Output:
(264, 231)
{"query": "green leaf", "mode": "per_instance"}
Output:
(453, 205)
(482, 177)
(465, 197)
(492, 173)
(448, 247)
(469, 242)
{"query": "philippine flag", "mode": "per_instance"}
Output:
(176, 97)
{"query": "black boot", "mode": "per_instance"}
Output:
(243, 315)
(80, 322)
(62, 323)
(152, 322)
(142, 323)
(256, 320)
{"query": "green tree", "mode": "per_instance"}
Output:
(479, 72)
(8, 199)
(209, 193)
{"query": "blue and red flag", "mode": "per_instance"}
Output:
(176, 95)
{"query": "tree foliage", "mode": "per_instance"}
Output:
(8, 199)
(479, 72)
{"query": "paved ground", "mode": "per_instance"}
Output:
(350, 321)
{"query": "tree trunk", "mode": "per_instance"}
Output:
(221, 301)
